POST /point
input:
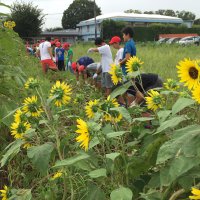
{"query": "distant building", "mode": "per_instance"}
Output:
(188, 23)
(87, 27)
(68, 35)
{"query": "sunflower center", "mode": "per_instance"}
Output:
(193, 72)
(135, 66)
(94, 108)
(59, 92)
(21, 129)
(157, 100)
(32, 107)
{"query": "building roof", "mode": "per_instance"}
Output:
(132, 17)
(66, 32)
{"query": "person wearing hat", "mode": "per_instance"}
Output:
(60, 54)
(115, 42)
(46, 56)
(81, 65)
(69, 57)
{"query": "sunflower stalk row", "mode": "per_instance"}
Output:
(105, 150)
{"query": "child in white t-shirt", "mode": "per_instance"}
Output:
(106, 61)
(115, 42)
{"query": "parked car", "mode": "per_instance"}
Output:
(162, 40)
(173, 40)
(190, 40)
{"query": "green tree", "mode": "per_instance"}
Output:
(186, 15)
(78, 11)
(160, 12)
(53, 29)
(111, 28)
(149, 12)
(133, 11)
(170, 13)
(28, 19)
(197, 22)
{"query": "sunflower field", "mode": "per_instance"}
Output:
(60, 141)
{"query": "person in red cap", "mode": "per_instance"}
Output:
(115, 42)
(46, 56)
(81, 65)
(60, 55)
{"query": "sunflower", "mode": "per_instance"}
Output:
(19, 116)
(18, 129)
(189, 73)
(9, 24)
(91, 108)
(31, 106)
(154, 101)
(116, 74)
(83, 132)
(31, 83)
(5, 24)
(61, 92)
(4, 193)
(171, 84)
(111, 115)
(57, 175)
(196, 94)
(27, 145)
(133, 64)
(196, 194)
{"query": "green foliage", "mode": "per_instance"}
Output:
(11, 151)
(40, 156)
(149, 33)
(110, 28)
(28, 19)
(137, 158)
(121, 193)
(78, 11)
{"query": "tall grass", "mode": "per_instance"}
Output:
(160, 59)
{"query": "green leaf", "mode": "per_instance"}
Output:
(94, 142)
(72, 160)
(94, 193)
(13, 150)
(180, 140)
(120, 90)
(115, 134)
(112, 156)
(121, 193)
(98, 173)
(5, 5)
(3, 14)
(40, 156)
(180, 104)
(142, 119)
(163, 115)
(21, 194)
(171, 123)
(124, 112)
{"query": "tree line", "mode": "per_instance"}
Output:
(185, 15)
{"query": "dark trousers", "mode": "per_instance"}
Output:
(61, 66)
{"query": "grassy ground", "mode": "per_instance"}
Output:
(161, 59)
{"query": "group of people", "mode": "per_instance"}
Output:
(99, 71)
(52, 55)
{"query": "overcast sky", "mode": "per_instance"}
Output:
(55, 7)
